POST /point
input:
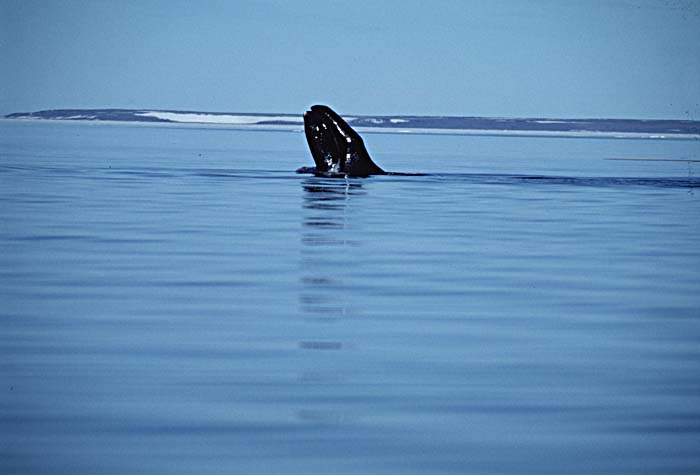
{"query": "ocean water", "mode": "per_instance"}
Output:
(177, 300)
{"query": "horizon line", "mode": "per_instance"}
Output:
(290, 114)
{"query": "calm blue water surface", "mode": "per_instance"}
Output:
(177, 300)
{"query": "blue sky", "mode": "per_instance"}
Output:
(548, 58)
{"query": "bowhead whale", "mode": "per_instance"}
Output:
(337, 149)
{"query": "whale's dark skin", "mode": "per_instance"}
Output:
(337, 149)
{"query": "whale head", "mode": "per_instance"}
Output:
(336, 148)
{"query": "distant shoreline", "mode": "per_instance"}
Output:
(410, 125)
